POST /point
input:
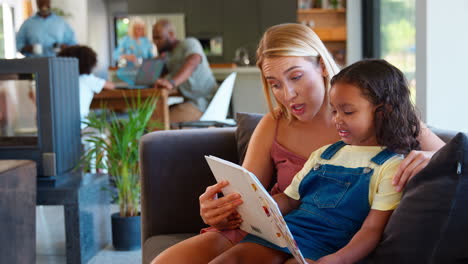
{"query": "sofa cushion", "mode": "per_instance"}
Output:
(431, 223)
(157, 244)
(246, 124)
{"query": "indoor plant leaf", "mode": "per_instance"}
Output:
(115, 148)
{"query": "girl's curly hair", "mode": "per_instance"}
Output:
(86, 56)
(396, 122)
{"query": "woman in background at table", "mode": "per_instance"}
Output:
(296, 68)
(136, 46)
(89, 83)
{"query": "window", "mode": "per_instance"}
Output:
(398, 37)
(389, 28)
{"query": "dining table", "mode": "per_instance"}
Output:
(120, 100)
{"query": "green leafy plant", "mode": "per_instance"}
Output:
(114, 147)
(60, 12)
(334, 3)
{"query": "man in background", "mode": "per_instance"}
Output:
(188, 72)
(44, 34)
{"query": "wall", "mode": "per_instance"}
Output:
(353, 31)
(89, 20)
(98, 35)
(240, 22)
(441, 59)
(78, 19)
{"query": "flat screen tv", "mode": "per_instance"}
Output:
(39, 113)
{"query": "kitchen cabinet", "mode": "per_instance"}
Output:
(267, 8)
(139, 7)
(241, 27)
(241, 23)
(204, 17)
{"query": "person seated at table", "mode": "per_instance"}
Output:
(134, 47)
(188, 72)
(88, 82)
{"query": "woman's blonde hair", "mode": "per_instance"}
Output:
(133, 22)
(295, 40)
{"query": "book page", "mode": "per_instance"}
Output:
(260, 213)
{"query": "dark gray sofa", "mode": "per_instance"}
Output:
(174, 173)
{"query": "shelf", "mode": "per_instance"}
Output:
(320, 11)
(331, 33)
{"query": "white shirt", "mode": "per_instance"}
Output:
(89, 85)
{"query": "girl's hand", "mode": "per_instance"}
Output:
(234, 221)
(414, 162)
(331, 259)
(220, 213)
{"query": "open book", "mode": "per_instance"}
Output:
(260, 213)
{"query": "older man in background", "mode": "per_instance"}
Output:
(44, 34)
(188, 72)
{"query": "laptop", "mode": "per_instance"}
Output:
(140, 77)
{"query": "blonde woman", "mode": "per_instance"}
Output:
(136, 46)
(296, 68)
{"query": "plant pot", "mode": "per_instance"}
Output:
(126, 232)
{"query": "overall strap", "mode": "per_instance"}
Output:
(383, 156)
(332, 150)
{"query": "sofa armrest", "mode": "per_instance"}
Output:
(174, 173)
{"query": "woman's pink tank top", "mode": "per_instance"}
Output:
(287, 164)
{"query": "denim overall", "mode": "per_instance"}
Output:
(334, 204)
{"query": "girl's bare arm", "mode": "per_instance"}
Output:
(285, 203)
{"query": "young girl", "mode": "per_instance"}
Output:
(89, 83)
(337, 206)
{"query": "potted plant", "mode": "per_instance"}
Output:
(114, 148)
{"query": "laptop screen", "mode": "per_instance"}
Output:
(149, 71)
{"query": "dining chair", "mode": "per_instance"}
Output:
(217, 111)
